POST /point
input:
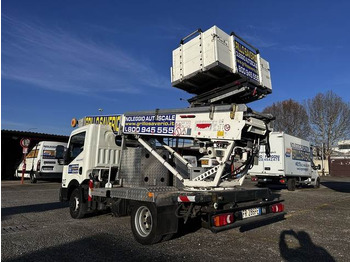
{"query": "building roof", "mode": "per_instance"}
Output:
(28, 133)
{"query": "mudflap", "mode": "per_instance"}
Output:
(167, 220)
(63, 195)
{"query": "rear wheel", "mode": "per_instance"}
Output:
(144, 223)
(77, 207)
(291, 184)
(168, 237)
(33, 179)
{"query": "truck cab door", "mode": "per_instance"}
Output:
(74, 158)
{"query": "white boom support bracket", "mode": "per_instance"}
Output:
(175, 154)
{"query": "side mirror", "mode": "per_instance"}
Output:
(319, 167)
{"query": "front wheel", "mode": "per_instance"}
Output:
(77, 208)
(144, 223)
(317, 184)
(291, 184)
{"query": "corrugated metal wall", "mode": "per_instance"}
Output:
(339, 166)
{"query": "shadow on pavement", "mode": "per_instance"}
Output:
(8, 211)
(272, 187)
(343, 187)
(305, 250)
(100, 247)
(261, 223)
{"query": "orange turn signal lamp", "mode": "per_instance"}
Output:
(150, 194)
(223, 219)
(74, 122)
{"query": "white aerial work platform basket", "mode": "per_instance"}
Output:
(214, 59)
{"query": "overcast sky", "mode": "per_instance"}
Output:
(65, 59)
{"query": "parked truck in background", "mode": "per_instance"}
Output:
(290, 162)
(167, 166)
(42, 162)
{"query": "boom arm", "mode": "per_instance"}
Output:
(229, 135)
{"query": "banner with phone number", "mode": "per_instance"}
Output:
(150, 124)
(247, 63)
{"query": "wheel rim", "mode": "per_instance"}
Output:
(76, 203)
(143, 221)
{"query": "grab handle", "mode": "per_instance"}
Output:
(190, 35)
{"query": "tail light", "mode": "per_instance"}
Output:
(254, 178)
(38, 166)
(223, 219)
(277, 208)
(282, 181)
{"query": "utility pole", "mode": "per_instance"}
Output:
(322, 157)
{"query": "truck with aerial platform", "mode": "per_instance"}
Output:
(151, 164)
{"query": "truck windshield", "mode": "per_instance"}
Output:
(49, 153)
(76, 146)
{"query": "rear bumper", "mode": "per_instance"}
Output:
(270, 179)
(40, 175)
(266, 216)
(44, 175)
(253, 221)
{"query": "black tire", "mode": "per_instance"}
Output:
(291, 184)
(168, 237)
(33, 179)
(318, 183)
(144, 223)
(77, 207)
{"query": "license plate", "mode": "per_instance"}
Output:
(252, 212)
(47, 168)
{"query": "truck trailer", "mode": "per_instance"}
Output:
(290, 162)
(167, 166)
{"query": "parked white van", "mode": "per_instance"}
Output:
(42, 162)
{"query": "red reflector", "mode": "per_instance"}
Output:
(223, 219)
(276, 208)
(38, 166)
(187, 116)
(282, 181)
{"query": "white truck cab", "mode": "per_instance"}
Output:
(42, 162)
(100, 150)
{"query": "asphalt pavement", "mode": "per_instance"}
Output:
(36, 227)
